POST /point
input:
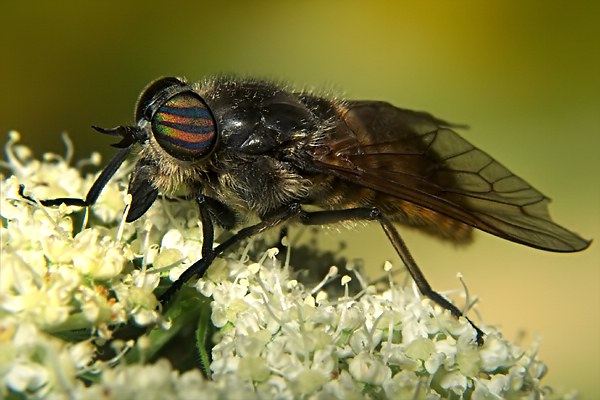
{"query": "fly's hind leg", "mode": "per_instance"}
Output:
(374, 214)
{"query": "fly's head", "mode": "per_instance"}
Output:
(177, 133)
(178, 122)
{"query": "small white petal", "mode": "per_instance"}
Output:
(369, 369)
(26, 377)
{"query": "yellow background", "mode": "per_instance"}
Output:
(524, 75)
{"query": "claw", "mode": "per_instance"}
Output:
(129, 133)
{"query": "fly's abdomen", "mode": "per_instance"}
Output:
(334, 193)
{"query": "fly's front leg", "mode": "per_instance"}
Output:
(92, 195)
(333, 216)
(209, 254)
(208, 231)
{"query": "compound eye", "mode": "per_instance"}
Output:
(185, 127)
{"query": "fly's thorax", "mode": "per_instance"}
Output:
(258, 184)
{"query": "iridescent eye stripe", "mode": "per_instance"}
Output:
(184, 127)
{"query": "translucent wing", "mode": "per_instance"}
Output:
(418, 158)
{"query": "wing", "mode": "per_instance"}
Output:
(418, 158)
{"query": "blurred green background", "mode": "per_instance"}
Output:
(524, 75)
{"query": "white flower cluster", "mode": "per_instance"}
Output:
(285, 342)
(68, 278)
